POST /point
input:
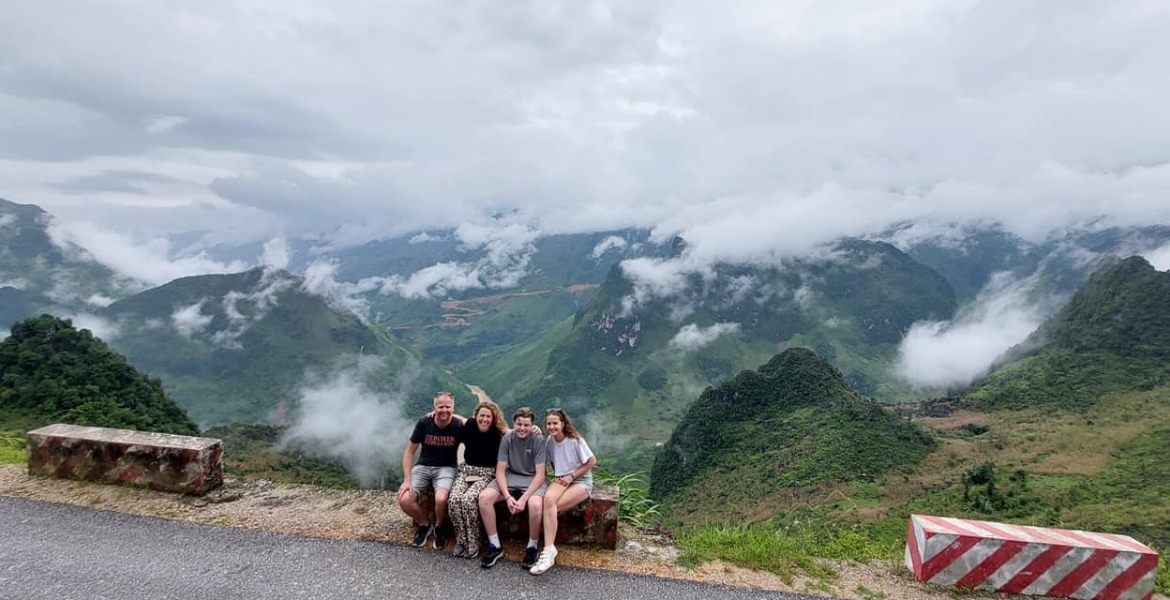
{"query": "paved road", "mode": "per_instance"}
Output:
(70, 553)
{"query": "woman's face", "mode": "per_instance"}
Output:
(552, 426)
(483, 418)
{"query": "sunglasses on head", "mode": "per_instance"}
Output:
(552, 410)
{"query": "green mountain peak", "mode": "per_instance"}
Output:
(794, 422)
(54, 372)
(1112, 336)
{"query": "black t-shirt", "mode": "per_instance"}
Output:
(439, 445)
(481, 448)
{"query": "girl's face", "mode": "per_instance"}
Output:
(483, 419)
(552, 425)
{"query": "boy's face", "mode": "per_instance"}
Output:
(522, 426)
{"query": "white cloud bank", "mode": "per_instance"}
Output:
(839, 119)
(147, 260)
(612, 242)
(1159, 258)
(692, 337)
(189, 320)
(942, 355)
(342, 417)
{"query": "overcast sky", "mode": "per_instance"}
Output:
(751, 127)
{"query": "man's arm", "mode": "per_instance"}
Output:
(407, 465)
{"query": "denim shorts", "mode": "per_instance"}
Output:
(423, 478)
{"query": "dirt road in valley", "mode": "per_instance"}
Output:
(481, 396)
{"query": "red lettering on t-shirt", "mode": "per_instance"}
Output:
(440, 440)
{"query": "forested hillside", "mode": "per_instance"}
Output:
(793, 423)
(63, 272)
(645, 361)
(231, 348)
(51, 372)
(1113, 336)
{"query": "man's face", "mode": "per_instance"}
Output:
(444, 408)
(522, 426)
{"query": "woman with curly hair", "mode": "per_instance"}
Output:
(481, 446)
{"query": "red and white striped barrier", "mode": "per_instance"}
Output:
(1038, 561)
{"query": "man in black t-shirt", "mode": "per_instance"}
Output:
(438, 436)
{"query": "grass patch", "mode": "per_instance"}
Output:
(1162, 580)
(12, 449)
(792, 547)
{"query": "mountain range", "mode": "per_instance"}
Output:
(566, 320)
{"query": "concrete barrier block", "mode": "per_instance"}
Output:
(160, 461)
(1037, 561)
(594, 522)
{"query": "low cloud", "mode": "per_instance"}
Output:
(506, 253)
(692, 337)
(321, 280)
(946, 355)
(659, 278)
(423, 238)
(276, 254)
(1160, 257)
(190, 320)
(605, 435)
(163, 123)
(347, 417)
(245, 309)
(148, 260)
(7, 219)
(98, 326)
(612, 242)
(99, 300)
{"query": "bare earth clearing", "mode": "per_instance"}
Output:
(373, 516)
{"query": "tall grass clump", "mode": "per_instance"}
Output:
(634, 504)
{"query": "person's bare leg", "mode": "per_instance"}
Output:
(573, 496)
(408, 502)
(549, 518)
(535, 516)
(441, 497)
(487, 509)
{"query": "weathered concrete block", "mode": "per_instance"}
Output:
(593, 522)
(1037, 561)
(160, 461)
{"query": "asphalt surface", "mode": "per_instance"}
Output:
(69, 553)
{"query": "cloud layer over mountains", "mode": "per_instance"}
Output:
(751, 128)
(755, 130)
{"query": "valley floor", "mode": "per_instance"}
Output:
(373, 516)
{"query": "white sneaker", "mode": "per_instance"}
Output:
(548, 557)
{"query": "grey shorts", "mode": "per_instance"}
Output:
(423, 478)
(519, 491)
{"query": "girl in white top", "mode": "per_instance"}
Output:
(571, 462)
